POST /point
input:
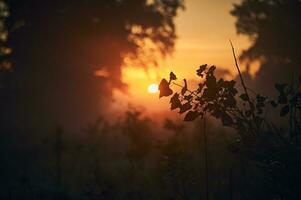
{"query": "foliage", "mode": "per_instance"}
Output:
(272, 27)
(90, 28)
(264, 22)
(260, 140)
(220, 99)
(64, 45)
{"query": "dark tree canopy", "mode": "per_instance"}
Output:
(58, 45)
(273, 27)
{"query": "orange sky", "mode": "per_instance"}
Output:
(203, 30)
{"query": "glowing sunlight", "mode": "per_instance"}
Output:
(153, 88)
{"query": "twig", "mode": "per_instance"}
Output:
(241, 79)
(191, 92)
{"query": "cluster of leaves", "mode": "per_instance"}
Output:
(219, 98)
(289, 101)
(275, 150)
(289, 98)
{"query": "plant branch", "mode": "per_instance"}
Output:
(241, 78)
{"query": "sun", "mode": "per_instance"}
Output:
(152, 88)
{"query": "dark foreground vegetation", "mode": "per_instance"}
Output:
(270, 149)
(129, 159)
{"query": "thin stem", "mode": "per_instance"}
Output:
(191, 92)
(241, 78)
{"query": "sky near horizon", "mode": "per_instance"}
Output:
(203, 29)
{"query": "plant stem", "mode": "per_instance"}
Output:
(191, 92)
(241, 79)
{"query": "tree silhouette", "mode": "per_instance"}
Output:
(58, 46)
(273, 27)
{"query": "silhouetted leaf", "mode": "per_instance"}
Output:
(201, 70)
(175, 102)
(185, 107)
(284, 111)
(229, 84)
(172, 77)
(211, 81)
(164, 89)
(211, 69)
(244, 97)
(191, 115)
(184, 89)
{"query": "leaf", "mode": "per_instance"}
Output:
(211, 81)
(164, 89)
(172, 77)
(244, 97)
(191, 115)
(211, 70)
(284, 110)
(201, 70)
(175, 102)
(185, 107)
(184, 89)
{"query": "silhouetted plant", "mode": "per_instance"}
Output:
(260, 140)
